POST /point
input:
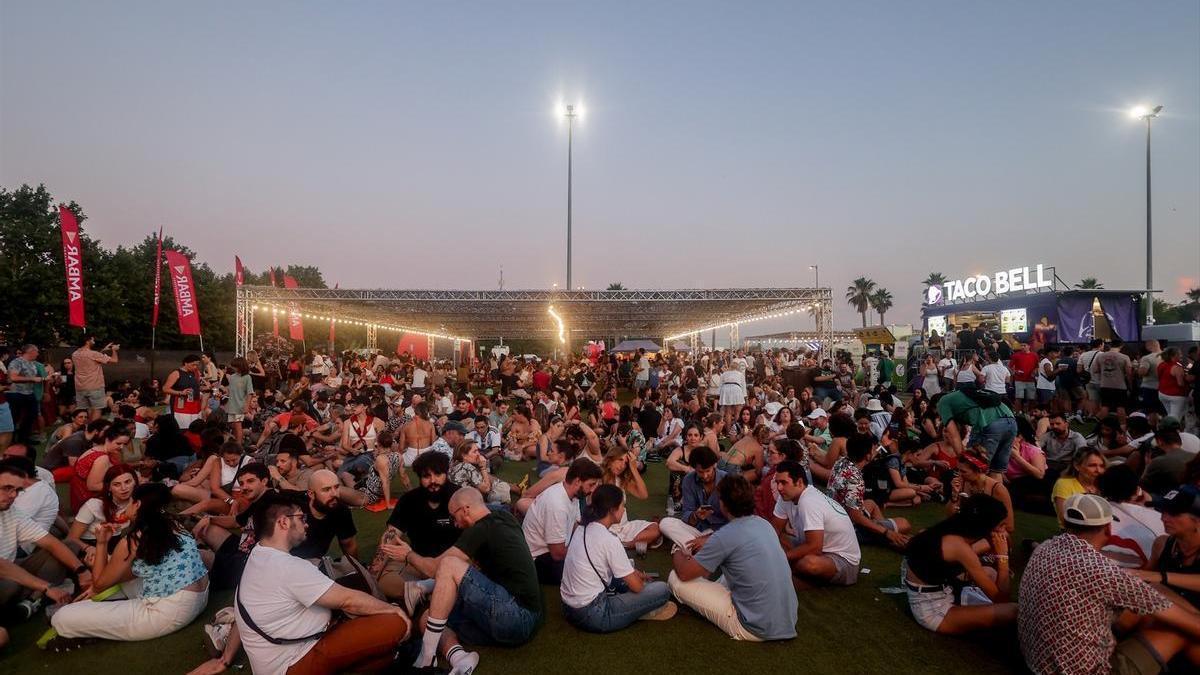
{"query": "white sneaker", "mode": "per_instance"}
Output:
(466, 665)
(216, 637)
(662, 613)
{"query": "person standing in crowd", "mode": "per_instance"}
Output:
(996, 375)
(89, 375)
(284, 606)
(1112, 371)
(601, 591)
(1023, 365)
(1070, 594)
(241, 391)
(1147, 373)
(753, 599)
(23, 377)
(183, 386)
(821, 546)
(994, 427)
(1171, 379)
(484, 589)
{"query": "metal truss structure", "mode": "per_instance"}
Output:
(471, 315)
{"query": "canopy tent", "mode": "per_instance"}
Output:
(627, 346)
(570, 316)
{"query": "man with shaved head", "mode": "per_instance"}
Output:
(484, 588)
(327, 516)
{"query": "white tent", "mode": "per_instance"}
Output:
(627, 346)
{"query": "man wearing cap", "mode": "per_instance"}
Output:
(1070, 594)
(1175, 562)
(818, 429)
(452, 433)
(878, 416)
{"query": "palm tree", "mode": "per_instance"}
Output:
(881, 301)
(1193, 303)
(617, 286)
(1089, 283)
(934, 279)
(858, 295)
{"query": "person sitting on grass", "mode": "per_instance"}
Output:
(753, 598)
(620, 469)
(471, 469)
(945, 555)
(973, 479)
(701, 503)
(483, 590)
(289, 470)
(1073, 600)
(553, 516)
(284, 606)
(328, 518)
(848, 488)
(1086, 468)
(766, 493)
(110, 508)
(1136, 526)
(601, 591)
(561, 455)
(1174, 566)
(374, 490)
(232, 550)
(61, 457)
(172, 576)
(887, 476)
(821, 546)
(24, 585)
(213, 486)
(422, 514)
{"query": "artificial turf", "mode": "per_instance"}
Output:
(850, 630)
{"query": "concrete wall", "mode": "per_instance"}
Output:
(135, 363)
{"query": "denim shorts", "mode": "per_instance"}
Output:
(487, 614)
(6, 418)
(91, 399)
(997, 439)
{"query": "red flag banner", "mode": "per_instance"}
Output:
(239, 274)
(180, 270)
(73, 263)
(295, 322)
(157, 279)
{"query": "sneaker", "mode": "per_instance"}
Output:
(414, 597)
(466, 665)
(216, 637)
(662, 613)
(25, 609)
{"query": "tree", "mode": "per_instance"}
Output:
(881, 301)
(934, 279)
(1192, 304)
(1089, 283)
(858, 296)
(617, 286)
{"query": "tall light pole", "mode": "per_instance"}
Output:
(570, 115)
(817, 273)
(1148, 114)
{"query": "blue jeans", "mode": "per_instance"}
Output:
(608, 613)
(485, 613)
(357, 464)
(997, 439)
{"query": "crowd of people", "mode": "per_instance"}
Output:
(779, 468)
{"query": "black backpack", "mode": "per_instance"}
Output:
(984, 398)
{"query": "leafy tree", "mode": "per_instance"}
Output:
(1089, 283)
(617, 286)
(858, 295)
(881, 301)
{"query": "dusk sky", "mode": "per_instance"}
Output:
(722, 145)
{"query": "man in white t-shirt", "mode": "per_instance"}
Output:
(284, 597)
(996, 375)
(821, 547)
(553, 516)
(1047, 373)
(641, 376)
(948, 368)
(418, 377)
(39, 500)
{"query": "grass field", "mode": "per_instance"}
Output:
(851, 630)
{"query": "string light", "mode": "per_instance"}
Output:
(727, 324)
(276, 311)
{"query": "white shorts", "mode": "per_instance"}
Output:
(1025, 391)
(184, 420)
(629, 530)
(410, 455)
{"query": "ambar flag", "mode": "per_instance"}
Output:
(180, 269)
(295, 323)
(239, 274)
(73, 263)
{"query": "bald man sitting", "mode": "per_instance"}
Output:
(327, 517)
(484, 589)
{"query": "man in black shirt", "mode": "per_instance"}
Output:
(423, 515)
(648, 419)
(327, 516)
(966, 338)
(234, 550)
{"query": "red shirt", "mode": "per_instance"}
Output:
(1024, 366)
(541, 380)
(1167, 384)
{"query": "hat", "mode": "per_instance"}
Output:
(874, 405)
(1178, 502)
(1169, 423)
(1087, 509)
(488, 391)
(1138, 414)
(454, 425)
(817, 414)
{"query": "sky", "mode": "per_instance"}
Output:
(722, 145)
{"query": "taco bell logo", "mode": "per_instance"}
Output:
(934, 295)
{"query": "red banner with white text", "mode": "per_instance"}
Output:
(295, 322)
(180, 269)
(73, 263)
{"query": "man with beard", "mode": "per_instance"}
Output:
(327, 518)
(232, 550)
(421, 514)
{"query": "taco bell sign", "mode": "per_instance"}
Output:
(1003, 282)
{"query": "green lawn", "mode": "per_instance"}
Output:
(854, 630)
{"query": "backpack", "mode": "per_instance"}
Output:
(984, 398)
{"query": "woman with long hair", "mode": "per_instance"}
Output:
(601, 591)
(1086, 467)
(469, 468)
(973, 479)
(66, 386)
(841, 428)
(621, 470)
(159, 568)
(743, 424)
(678, 466)
(945, 556)
(168, 444)
(110, 508)
(1173, 384)
(87, 481)
(241, 388)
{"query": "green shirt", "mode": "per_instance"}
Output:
(497, 545)
(959, 407)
